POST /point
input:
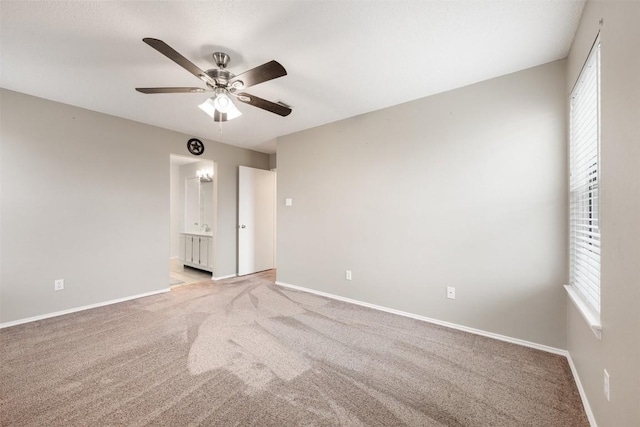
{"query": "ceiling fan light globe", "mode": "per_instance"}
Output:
(222, 103)
(232, 111)
(208, 107)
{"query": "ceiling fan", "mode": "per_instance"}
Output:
(222, 83)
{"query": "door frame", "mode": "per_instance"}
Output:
(240, 220)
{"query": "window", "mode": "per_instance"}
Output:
(584, 183)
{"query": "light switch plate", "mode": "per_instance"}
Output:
(288, 202)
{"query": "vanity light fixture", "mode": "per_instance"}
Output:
(205, 175)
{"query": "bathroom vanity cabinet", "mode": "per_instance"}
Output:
(196, 250)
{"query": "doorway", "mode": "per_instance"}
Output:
(256, 220)
(193, 218)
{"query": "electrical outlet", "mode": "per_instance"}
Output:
(607, 385)
(348, 275)
(58, 284)
(451, 292)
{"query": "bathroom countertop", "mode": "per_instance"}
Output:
(198, 233)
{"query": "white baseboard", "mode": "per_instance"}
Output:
(84, 307)
(583, 394)
(505, 338)
(224, 277)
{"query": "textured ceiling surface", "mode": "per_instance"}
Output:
(343, 58)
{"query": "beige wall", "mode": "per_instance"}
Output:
(619, 350)
(176, 209)
(85, 198)
(273, 161)
(466, 188)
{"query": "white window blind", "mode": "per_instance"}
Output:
(584, 181)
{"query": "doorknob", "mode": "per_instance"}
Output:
(243, 226)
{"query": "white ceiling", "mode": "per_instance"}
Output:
(343, 58)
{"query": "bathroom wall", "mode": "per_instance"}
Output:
(190, 171)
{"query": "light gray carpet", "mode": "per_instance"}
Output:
(245, 352)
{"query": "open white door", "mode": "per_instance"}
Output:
(256, 220)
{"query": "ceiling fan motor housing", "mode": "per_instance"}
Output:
(221, 76)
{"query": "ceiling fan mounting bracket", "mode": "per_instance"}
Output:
(221, 59)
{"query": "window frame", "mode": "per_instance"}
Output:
(584, 201)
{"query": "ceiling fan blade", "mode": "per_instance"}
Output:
(262, 73)
(170, 89)
(278, 109)
(170, 53)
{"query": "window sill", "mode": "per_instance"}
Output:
(588, 313)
